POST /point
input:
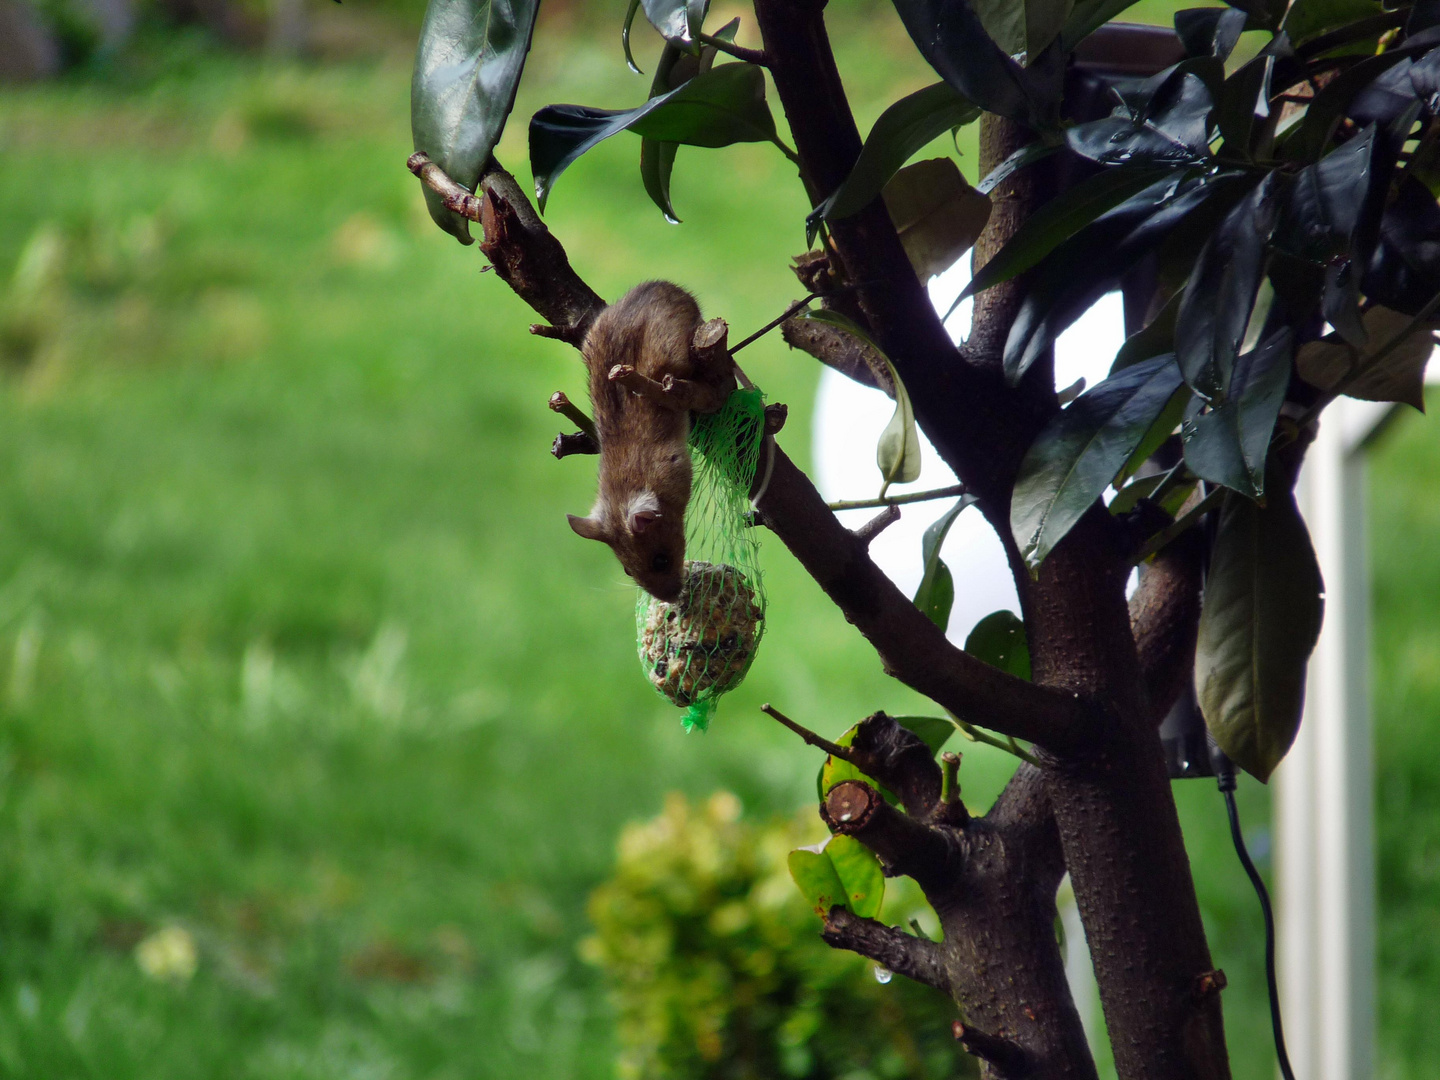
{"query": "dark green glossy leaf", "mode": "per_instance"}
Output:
(1080, 451)
(814, 875)
(723, 106)
(1263, 608)
(467, 67)
(933, 731)
(1306, 19)
(1022, 27)
(657, 159)
(951, 37)
(1157, 337)
(936, 594)
(1086, 17)
(1220, 295)
(1228, 444)
(1026, 155)
(902, 131)
(999, 639)
(1159, 431)
(1092, 262)
(625, 36)
(1244, 100)
(1061, 218)
(1309, 139)
(859, 872)
(1169, 127)
(1211, 31)
(1326, 200)
(937, 215)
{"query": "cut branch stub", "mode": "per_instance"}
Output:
(850, 806)
(578, 442)
(900, 760)
(1008, 1059)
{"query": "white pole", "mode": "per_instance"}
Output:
(1324, 813)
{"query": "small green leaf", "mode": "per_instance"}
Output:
(933, 731)
(1263, 608)
(859, 873)
(1400, 375)
(937, 214)
(898, 452)
(814, 875)
(723, 106)
(999, 639)
(1306, 19)
(1081, 450)
(903, 130)
(936, 594)
(467, 68)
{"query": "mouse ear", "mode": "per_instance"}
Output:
(641, 520)
(588, 527)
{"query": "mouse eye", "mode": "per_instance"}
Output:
(660, 562)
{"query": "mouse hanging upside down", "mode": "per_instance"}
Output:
(652, 362)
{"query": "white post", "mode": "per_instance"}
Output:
(1325, 875)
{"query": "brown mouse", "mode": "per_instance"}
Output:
(646, 378)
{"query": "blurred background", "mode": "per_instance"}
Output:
(318, 729)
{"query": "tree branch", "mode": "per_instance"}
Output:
(1165, 619)
(915, 958)
(839, 350)
(911, 647)
(905, 845)
(1008, 1059)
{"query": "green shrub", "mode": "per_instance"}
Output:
(718, 971)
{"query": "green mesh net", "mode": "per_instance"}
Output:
(701, 646)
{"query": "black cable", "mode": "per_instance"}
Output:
(1226, 777)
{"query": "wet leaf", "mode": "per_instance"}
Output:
(937, 214)
(678, 21)
(1400, 376)
(1263, 608)
(1215, 311)
(1157, 337)
(1061, 218)
(999, 639)
(1228, 444)
(1211, 31)
(723, 106)
(1306, 19)
(1078, 454)
(1244, 100)
(952, 38)
(467, 68)
(903, 129)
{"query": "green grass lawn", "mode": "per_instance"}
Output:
(297, 653)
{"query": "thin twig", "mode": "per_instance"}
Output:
(740, 52)
(565, 407)
(978, 735)
(878, 524)
(773, 323)
(805, 733)
(454, 195)
(898, 500)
